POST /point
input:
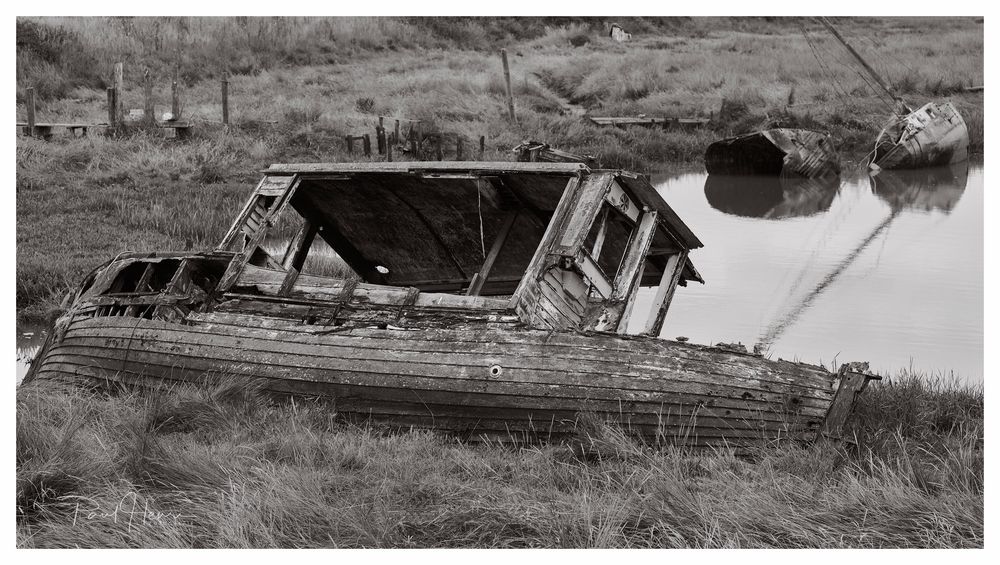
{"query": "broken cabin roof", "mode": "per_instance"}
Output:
(430, 224)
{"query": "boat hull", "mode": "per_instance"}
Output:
(775, 152)
(934, 135)
(508, 384)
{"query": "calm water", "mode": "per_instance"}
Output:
(887, 270)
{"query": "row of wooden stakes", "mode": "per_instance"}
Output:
(412, 143)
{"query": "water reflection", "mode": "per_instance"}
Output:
(938, 188)
(863, 271)
(771, 198)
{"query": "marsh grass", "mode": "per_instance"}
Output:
(220, 465)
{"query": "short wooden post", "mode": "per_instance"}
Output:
(506, 80)
(420, 138)
(225, 100)
(112, 117)
(366, 141)
(395, 138)
(149, 113)
(413, 143)
(437, 149)
(119, 80)
(482, 146)
(380, 138)
(175, 99)
(458, 149)
(349, 142)
(388, 152)
(30, 108)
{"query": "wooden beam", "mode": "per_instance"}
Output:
(851, 384)
(298, 247)
(506, 80)
(119, 85)
(148, 110)
(225, 100)
(479, 279)
(665, 292)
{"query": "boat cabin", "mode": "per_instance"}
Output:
(547, 245)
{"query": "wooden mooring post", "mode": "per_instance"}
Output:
(30, 109)
(380, 140)
(175, 99)
(349, 143)
(112, 104)
(388, 152)
(482, 146)
(506, 80)
(148, 110)
(225, 100)
(367, 144)
(119, 86)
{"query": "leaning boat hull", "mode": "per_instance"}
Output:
(501, 384)
(934, 135)
(775, 152)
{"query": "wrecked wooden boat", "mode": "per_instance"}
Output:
(775, 152)
(484, 299)
(770, 198)
(933, 135)
(536, 151)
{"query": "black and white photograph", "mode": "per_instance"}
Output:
(499, 281)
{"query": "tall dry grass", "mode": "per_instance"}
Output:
(221, 466)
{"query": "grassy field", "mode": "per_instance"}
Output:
(299, 85)
(220, 466)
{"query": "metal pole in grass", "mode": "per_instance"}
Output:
(506, 79)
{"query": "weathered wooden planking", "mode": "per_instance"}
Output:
(321, 288)
(438, 373)
(542, 369)
(643, 121)
(639, 354)
(695, 431)
(354, 393)
(431, 166)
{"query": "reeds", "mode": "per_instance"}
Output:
(222, 466)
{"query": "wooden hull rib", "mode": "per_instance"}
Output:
(448, 379)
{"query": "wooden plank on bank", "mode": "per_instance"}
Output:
(644, 121)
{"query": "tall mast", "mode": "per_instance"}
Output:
(878, 79)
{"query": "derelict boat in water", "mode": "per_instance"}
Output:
(485, 299)
(933, 135)
(775, 152)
